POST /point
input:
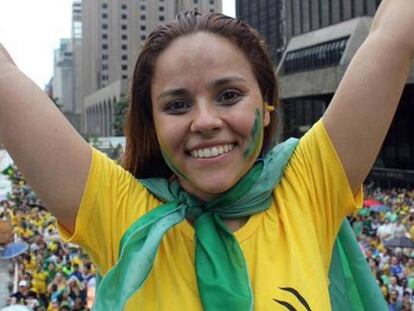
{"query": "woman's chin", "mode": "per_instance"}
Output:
(207, 191)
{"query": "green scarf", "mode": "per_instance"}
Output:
(222, 275)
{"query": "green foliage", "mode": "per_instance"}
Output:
(120, 110)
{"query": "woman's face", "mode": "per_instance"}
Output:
(208, 112)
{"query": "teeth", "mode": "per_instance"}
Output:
(211, 152)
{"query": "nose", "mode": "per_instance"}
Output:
(206, 120)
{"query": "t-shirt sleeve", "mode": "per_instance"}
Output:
(320, 185)
(112, 199)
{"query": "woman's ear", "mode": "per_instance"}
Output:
(266, 114)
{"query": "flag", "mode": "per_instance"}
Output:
(8, 170)
(352, 285)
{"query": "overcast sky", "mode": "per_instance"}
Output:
(30, 30)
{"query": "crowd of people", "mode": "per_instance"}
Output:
(51, 275)
(385, 222)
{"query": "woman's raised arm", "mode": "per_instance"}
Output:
(363, 107)
(51, 154)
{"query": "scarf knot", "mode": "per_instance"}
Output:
(192, 212)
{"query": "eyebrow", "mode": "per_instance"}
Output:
(213, 84)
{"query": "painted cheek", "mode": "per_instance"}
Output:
(168, 158)
(256, 137)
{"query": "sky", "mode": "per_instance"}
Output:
(31, 30)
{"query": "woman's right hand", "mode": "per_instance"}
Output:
(52, 156)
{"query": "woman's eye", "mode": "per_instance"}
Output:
(229, 97)
(177, 107)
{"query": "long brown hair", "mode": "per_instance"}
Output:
(142, 155)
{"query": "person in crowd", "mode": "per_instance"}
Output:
(398, 229)
(22, 293)
(235, 221)
(394, 302)
(384, 231)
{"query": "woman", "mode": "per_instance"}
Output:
(201, 117)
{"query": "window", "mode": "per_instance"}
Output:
(143, 27)
(123, 16)
(323, 55)
(124, 6)
(124, 57)
(124, 67)
(161, 8)
(142, 7)
(104, 46)
(161, 18)
(104, 26)
(104, 16)
(124, 46)
(195, 1)
(211, 10)
(143, 37)
(124, 37)
(104, 5)
(104, 36)
(104, 77)
(143, 17)
(124, 77)
(212, 2)
(104, 67)
(104, 56)
(124, 27)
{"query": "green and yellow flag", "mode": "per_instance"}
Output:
(8, 170)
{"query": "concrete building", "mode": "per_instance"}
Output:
(322, 38)
(113, 33)
(63, 82)
(77, 54)
(280, 20)
(63, 76)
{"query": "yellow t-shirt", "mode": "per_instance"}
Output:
(39, 281)
(287, 248)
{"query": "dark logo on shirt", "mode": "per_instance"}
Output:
(295, 295)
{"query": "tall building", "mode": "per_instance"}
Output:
(319, 39)
(62, 88)
(77, 54)
(63, 76)
(268, 17)
(113, 32)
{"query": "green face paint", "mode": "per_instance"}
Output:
(256, 136)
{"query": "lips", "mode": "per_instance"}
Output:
(211, 152)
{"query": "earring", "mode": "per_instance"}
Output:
(269, 108)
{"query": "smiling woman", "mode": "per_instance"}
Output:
(208, 212)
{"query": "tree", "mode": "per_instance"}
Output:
(120, 110)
